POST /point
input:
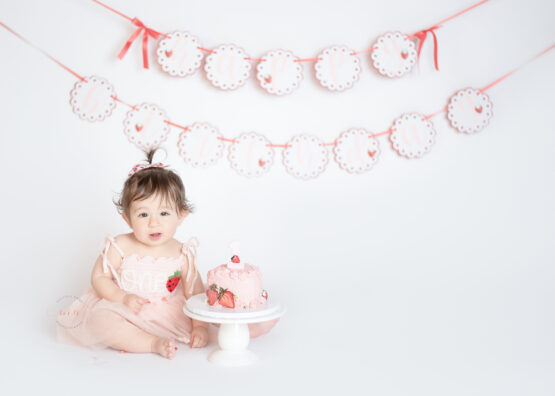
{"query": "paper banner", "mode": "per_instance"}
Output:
(250, 154)
(178, 54)
(356, 151)
(145, 126)
(337, 69)
(200, 146)
(305, 156)
(278, 73)
(227, 67)
(469, 110)
(412, 135)
(393, 54)
(93, 99)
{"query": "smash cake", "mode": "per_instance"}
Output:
(235, 285)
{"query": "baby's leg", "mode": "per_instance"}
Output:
(258, 329)
(120, 334)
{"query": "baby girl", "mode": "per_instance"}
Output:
(141, 280)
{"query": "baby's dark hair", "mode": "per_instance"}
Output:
(152, 181)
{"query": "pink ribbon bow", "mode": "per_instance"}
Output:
(139, 167)
(146, 32)
(421, 36)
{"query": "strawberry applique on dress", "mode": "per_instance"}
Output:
(173, 281)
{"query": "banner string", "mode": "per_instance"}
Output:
(40, 50)
(514, 70)
(186, 128)
(420, 35)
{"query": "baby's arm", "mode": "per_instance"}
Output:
(199, 334)
(102, 283)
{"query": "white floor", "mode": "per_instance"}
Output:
(386, 344)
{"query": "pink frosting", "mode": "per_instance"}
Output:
(245, 284)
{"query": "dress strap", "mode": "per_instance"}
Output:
(113, 242)
(189, 249)
(105, 262)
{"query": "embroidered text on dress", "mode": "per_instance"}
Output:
(144, 281)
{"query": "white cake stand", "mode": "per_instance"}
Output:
(233, 335)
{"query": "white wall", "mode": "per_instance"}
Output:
(431, 276)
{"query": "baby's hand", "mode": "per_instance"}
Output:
(199, 337)
(134, 302)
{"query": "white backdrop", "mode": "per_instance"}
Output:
(420, 277)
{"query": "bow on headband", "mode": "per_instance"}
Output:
(140, 167)
(146, 32)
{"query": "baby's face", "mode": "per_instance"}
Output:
(153, 221)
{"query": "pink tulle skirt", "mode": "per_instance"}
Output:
(94, 322)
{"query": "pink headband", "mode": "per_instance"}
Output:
(140, 167)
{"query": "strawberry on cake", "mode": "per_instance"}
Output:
(236, 285)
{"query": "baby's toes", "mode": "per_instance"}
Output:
(170, 348)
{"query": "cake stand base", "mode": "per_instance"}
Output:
(233, 333)
(233, 339)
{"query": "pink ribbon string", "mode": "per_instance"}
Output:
(421, 35)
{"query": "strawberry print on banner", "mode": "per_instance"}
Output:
(178, 54)
(278, 73)
(305, 156)
(93, 99)
(145, 126)
(250, 154)
(201, 145)
(393, 54)
(412, 136)
(469, 110)
(356, 150)
(227, 67)
(337, 68)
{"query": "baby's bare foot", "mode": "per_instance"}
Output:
(164, 347)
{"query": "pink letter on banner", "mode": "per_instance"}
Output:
(278, 73)
(227, 67)
(305, 156)
(200, 146)
(337, 69)
(251, 155)
(412, 135)
(146, 127)
(393, 54)
(356, 150)
(469, 110)
(178, 54)
(92, 99)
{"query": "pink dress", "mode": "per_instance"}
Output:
(95, 322)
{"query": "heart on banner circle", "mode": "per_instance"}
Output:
(393, 54)
(469, 110)
(146, 126)
(178, 54)
(278, 73)
(356, 151)
(251, 155)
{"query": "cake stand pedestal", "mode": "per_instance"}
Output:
(233, 334)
